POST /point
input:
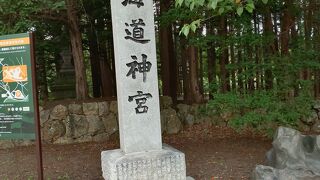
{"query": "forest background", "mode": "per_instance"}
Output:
(255, 61)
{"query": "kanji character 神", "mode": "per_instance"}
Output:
(142, 67)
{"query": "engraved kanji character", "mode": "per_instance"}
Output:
(139, 3)
(141, 99)
(137, 33)
(142, 67)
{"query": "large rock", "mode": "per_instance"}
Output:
(101, 137)
(59, 112)
(44, 116)
(110, 122)
(183, 110)
(165, 102)
(205, 120)
(269, 173)
(316, 127)
(103, 108)
(69, 127)
(95, 125)
(170, 122)
(53, 130)
(316, 106)
(78, 126)
(75, 108)
(194, 109)
(311, 119)
(293, 157)
(113, 107)
(190, 120)
(90, 108)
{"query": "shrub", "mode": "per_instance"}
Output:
(262, 111)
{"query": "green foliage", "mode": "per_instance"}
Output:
(261, 111)
(215, 8)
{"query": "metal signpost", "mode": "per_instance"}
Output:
(19, 113)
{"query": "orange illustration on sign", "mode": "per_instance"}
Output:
(14, 73)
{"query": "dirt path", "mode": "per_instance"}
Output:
(210, 152)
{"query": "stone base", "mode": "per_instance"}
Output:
(167, 164)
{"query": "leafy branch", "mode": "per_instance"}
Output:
(217, 8)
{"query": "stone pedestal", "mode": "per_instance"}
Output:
(166, 164)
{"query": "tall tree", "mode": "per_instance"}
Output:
(212, 58)
(167, 59)
(224, 56)
(77, 50)
(269, 47)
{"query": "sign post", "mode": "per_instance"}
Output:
(19, 114)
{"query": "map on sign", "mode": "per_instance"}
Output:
(16, 77)
(16, 98)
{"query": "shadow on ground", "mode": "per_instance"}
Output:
(210, 152)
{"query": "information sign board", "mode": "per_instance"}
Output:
(17, 113)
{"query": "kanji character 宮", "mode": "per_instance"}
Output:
(141, 99)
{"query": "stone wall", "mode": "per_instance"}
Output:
(97, 121)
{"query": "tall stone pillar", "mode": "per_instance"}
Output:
(142, 155)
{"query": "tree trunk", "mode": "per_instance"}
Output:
(285, 29)
(257, 51)
(201, 73)
(42, 79)
(306, 74)
(270, 48)
(233, 72)
(224, 58)
(212, 58)
(193, 83)
(275, 27)
(240, 70)
(107, 75)
(250, 69)
(167, 59)
(185, 71)
(77, 52)
(95, 62)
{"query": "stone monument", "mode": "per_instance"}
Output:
(141, 155)
(64, 84)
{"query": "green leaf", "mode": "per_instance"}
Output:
(200, 2)
(194, 25)
(213, 4)
(179, 3)
(250, 7)
(185, 30)
(265, 1)
(221, 10)
(192, 6)
(240, 10)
